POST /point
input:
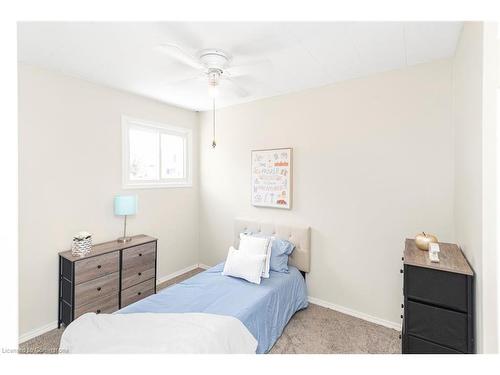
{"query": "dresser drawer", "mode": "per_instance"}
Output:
(136, 275)
(419, 346)
(97, 266)
(137, 292)
(441, 288)
(442, 326)
(139, 256)
(88, 291)
(105, 305)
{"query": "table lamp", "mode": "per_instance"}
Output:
(125, 205)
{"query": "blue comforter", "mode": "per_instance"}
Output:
(264, 309)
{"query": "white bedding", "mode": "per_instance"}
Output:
(157, 333)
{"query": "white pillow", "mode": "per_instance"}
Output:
(244, 265)
(259, 246)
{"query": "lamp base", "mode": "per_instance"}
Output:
(124, 239)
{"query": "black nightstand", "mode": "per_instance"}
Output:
(438, 302)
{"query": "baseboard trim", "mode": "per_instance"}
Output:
(177, 273)
(204, 266)
(356, 314)
(37, 332)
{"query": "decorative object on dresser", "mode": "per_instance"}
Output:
(438, 302)
(422, 240)
(113, 276)
(82, 244)
(125, 205)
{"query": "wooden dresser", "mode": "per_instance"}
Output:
(438, 302)
(113, 275)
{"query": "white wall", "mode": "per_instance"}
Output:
(373, 164)
(69, 171)
(475, 172)
(467, 120)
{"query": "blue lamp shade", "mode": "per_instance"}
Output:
(125, 205)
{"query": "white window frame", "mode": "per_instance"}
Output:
(187, 134)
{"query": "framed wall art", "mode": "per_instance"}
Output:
(272, 178)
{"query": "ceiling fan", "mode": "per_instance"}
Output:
(214, 65)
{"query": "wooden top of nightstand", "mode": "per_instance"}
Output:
(451, 258)
(108, 247)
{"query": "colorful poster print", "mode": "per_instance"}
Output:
(271, 178)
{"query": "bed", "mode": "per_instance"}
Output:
(264, 310)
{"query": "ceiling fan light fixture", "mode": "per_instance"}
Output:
(214, 76)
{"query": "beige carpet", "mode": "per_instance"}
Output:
(313, 330)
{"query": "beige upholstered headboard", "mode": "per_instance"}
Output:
(299, 236)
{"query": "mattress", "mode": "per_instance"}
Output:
(264, 309)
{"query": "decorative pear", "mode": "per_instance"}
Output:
(422, 240)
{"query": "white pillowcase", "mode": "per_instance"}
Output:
(259, 246)
(244, 265)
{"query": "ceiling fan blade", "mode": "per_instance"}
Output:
(176, 52)
(256, 68)
(235, 87)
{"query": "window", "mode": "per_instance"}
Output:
(155, 155)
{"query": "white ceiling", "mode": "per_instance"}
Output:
(299, 55)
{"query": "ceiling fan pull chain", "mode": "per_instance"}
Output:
(213, 112)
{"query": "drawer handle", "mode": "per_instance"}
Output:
(400, 337)
(400, 271)
(401, 316)
(99, 266)
(138, 293)
(98, 311)
(402, 306)
(99, 289)
(140, 273)
(402, 258)
(140, 254)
